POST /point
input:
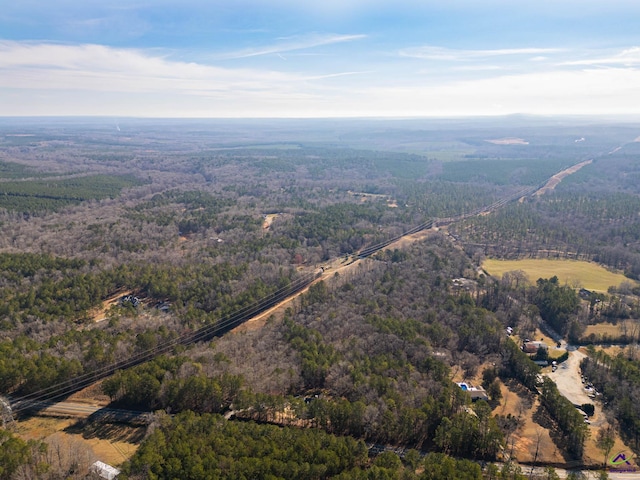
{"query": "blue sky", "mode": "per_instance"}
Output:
(285, 58)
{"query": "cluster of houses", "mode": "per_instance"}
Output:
(528, 346)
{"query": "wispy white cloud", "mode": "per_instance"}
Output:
(627, 57)
(340, 74)
(100, 68)
(477, 68)
(292, 44)
(99, 80)
(42, 78)
(428, 52)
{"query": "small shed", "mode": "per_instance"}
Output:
(105, 471)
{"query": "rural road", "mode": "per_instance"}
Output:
(558, 177)
(587, 474)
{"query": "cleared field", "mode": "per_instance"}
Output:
(571, 272)
(630, 327)
(112, 444)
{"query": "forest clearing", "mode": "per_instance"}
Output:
(575, 273)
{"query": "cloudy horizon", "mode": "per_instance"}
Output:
(286, 59)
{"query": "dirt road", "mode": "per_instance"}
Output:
(557, 178)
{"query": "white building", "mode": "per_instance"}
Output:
(105, 471)
(476, 393)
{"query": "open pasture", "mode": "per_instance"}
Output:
(571, 272)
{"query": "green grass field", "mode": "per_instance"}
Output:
(572, 272)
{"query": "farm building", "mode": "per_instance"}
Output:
(533, 347)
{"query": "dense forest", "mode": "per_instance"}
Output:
(585, 217)
(119, 245)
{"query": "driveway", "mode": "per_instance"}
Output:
(569, 382)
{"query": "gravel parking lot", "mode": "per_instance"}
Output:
(569, 382)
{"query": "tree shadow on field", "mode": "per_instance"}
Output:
(114, 432)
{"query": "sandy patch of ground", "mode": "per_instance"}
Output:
(409, 239)
(268, 220)
(508, 141)
(100, 314)
(558, 177)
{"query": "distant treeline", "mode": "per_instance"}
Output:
(50, 195)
